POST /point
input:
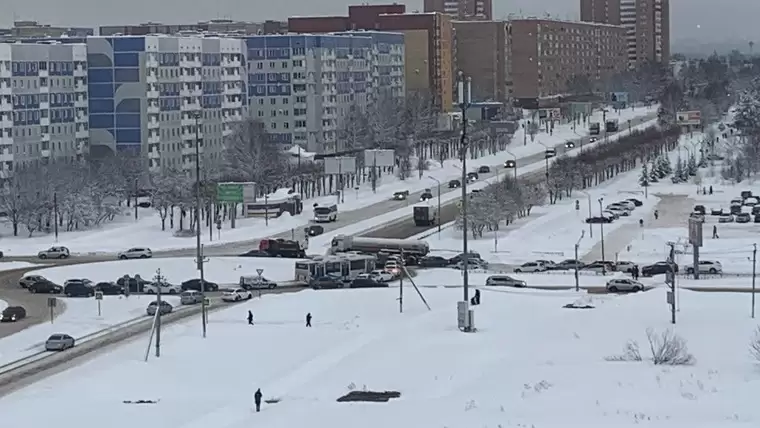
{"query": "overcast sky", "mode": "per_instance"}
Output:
(704, 20)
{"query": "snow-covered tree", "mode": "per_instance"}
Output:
(691, 166)
(644, 176)
(250, 155)
(654, 175)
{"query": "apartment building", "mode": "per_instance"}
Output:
(222, 26)
(544, 54)
(482, 54)
(31, 29)
(303, 86)
(158, 95)
(428, 43)
(43, 104)
(463, 10)
(647, 24)
(601, 11)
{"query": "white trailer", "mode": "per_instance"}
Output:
(345, 243)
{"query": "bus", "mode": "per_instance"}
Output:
(343, 266)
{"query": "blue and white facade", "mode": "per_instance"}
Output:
(156, 94)
(387, 62)
(43, 104)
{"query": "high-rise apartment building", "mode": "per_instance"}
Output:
(481, 53)
(158, 95)
(222, 26)
(463, 10)
(43, 103)
(428, 42)
(601, 11)
(545, 54)
(302, 86)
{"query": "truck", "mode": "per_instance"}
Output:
(282, 248)
(360, 244)
(611, 125)
(594, 128)
(325, 213)
(425, 215)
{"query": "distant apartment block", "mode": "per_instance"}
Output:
(544, 54)
(428, 42)
(33, 29)
(601, 11)
(482, 54)
(156, 95)
(220, 26)
(465, 10)
(43, 104)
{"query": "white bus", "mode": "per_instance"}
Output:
(343, 266)
(325, 213)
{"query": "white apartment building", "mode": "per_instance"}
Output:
(43, 103)
(647, 24)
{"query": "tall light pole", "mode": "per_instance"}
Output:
(577, 244)
(199, 249)
(438, 217)
(590, 228)
(601, 229)
(464, 99)
(547, 154)
(514, 157)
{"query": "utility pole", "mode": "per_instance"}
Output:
(199, 247)
(374, 172)
(159, 284)
(577, 244)
(401, 285)
(754, 270)
(55, 211)
(464, 98)
(601, 230)
(672, 276)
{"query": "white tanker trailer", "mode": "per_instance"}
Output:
(344, 243)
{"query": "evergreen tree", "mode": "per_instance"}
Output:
(644, 177)
(653, 175)
(683, 171)
(691, 166)
(665, 164)
(678, 173)
(659, 166)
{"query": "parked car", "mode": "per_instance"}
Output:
(597, 220)
(697, 216)
(426, 195)
(635, 201)
(750, 202)
(401, 195)
(166, 288)
(472, 264)
(255, 253)
(44, 286)
(134, 285)
(530, 267)
(626, 267)
(136, 253)
(258, 282)
(459, 257)
(381, 275)
(84, 281)
(735, 209)
(54, 253)
(707, 266)
(166, 308)
(626, 204)
(550, 265)
(726, 218)
(659, 268)
(619, 211)
(623, 284)
(195, 284)
(190, 297)
(504, 281)
(746, 194)
(236, 295)
(13, 314)
(569, 264)
(326, 282)
(366, 282)
(59, 342)
(716, 211)
(453, 184)
(78, 289)
(743, 218)
(109, 288)
(756, 210)
(757, 218)
(484, 169)
(25, 281)
(433, 262)
(600, 267)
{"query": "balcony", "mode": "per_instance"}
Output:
(45, 137)
(154, 139)
(6, 156)
(189, 151)
(45, 153)
(152, 94)
(154, 154)
(153, 109)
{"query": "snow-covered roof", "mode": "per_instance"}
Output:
(298, 151)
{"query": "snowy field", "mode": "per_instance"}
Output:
(221, 270)
(125, 232)
(530, 364)
(79, 319)
(17, 265)
(449, 277)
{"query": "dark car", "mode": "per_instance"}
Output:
(743, 218)
(367, 283)
(459, 257)
(109, 288)
(433, 262)
(401, 195)
(484, 169)
(453, 184)
(135, 285)
(195, 284)
(597, 220)
(13, 314)
(700, 209)
(326, 282)
(746, 194)
(472, 176)
(717, 211)
(757, 218)
(44, 286)
(78, 289)
(756, 210)
(636, 202)
(426, 195)
(658, 268)
(569, 264)
(314, 230)
(255, 253)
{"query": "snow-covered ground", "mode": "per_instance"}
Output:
(79, 319)
(17, 265)
(221, 270)
(449, 277)
(530, 364)
(125, 232)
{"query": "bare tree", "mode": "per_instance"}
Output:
(669, 348)
(754, 345)
(250, 155)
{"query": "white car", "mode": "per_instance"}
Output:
(165, 289)
(257, 282)
(706, 266)
(622, 284)
(530, 267)
(392, 267)
(54, 253)
(626, 267)
(726, 218)
(619, 210)
(381, 275)
(236, 295)
(611, 215)
(136, 253)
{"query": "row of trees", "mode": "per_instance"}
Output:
(742, 139)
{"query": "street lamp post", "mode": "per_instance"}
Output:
(514, 157)
(601, 229)
(199, 249)
(464, 99)
(438, 217)
(590, 228)
(577, 244)
(546, 159)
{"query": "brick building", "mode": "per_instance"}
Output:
(601, 11)
(544, 54)
(481, 53)
(464, 10)
(428, 40)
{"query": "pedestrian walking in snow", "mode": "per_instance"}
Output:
(257, 399)
(715, 232)
(477, 296)
(641, 222)
(635, 272)
(250, 318)
(308, 319)
(711, 190)
(656, 214)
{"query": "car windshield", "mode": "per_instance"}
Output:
(56, 337)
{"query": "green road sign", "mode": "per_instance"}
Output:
(229, 192)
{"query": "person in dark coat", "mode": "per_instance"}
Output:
(250, 317)
(711, 190)
(477, 296)
(257, 399)
(715, 232)
(308, 319)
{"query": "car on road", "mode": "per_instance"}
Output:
(611, 215)
(166, 308)
(25, 281)
(236, 295)
(84, 281)
(623, 284)
(569, 264)
(743, 218)
(453, 184)
(706, 267)
(256, 282)
(195, 284)
(716, 211)
(59, 342)
(45, 286)
(314, 230)
(166, 288)
(56, 252)
(426, 195)
(13, 314)
(472, 264)
(380, 275)
(627, 267)
(598, 219)
(109, 288)
(726, 218)
(134, 284)
(530, 267)
(459, 257)
(78, 289)
(325, 283)
(255, 253)
(504, 281)
(401, 195)
(136, 253)
(592, 140)
(393, 267)
(659, 268)
(472, 176)
(433, 262)
(484, 169)
(600, 267)
(550, 265)
(190, 297)
(367, 282)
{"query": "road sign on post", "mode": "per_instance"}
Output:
(259, 271)
(99, 298)
(229, 192)
(52, 302)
